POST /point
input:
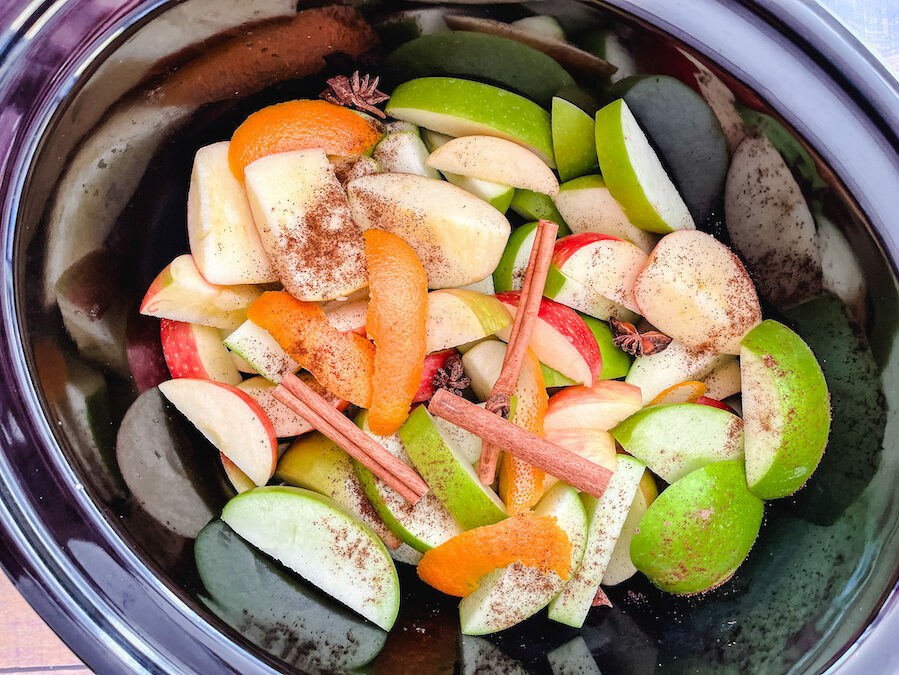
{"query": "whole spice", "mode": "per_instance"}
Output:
(635, 343)
(451, 376)
(355, 91)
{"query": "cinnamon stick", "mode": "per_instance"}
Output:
(519, 337)
(529, 447)
(310, 405)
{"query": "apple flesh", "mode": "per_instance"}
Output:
(599, 407)
(635, 175)
(458, 237)
(724, 380)
(239, 480)
(482, 364)
(459, 107)
(181, 293)
(496, 160)
(786, 407)
(620, 567)
(286, 422)
(676, 363)
(573, 140)
(456, 317)
(403, 152)
(223, 238)
(696, 290)
(673, 439)
(332, 549)
(509, 273)
(560, 339)
(710, 513)
(349, 316)
(231, 420)
(305, 224)
(593, 444)
(196, 351)
(261, 351)
(433, 363)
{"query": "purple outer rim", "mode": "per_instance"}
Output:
(111, 609)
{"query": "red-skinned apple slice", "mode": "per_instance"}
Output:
(433, 363)
(696, 290)
(560, 339)
(597, 446)
(600, 407)
(285, 421)
(231, 420)
(145, 358)
(715, 403)
(191, 350)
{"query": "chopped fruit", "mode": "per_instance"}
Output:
(457, 566)
(300, 125)
(396, 319)
(600, 407)
(456, 317)
(684, 392)
(287, 423)
(196, 351)
(342, 362)
(432, 365)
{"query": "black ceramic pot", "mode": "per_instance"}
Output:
(98, 126)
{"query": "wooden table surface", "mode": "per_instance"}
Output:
(27, 645)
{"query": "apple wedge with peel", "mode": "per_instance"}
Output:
(231, 420)
(240, 481)
(600, 407)
(696, 290)
(724, 379)
(316, 538)
(459, 107)
(316, 463)
(191, 350)
(509, 273)
(509, 595)
(560, 339)
(181, 293)
(673, 439)
(635, 175)
(261, 351)
(607, 516)
(433, 363)
(583, 298)
(574, 142)
(655, 373)
(482, 364)
(448, 473)
(403, 151)
(496, 160)
(615, 362)
(286, 422)
(223, 238)
(620, 567)
(593, 444)
(532, 205)
(305, 224)
(458, 237)
(786, 407)
(587, 206)
(456, 317)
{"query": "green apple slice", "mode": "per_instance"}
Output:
(573, 658)
(786, 407)
(457, 316)
(621, 567)
(674, 439)
(467, 444)
(478, 656)
(509, 273)
(553, 378)
(403, 152)
(272, 608)
(582, 297)
(448, 473)
(616, 363)
(634, 175)
(724, 379)
(574, 141)
(536, 206)
(607, 516)
(261, 351)
(477, 56)
(423, 525)
(326, 545)
(676, 363)
(509, 595)
(464, 108)
(699, 530)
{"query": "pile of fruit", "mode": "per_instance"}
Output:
(374, 256)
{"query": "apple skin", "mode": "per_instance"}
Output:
(699, 530)
(144, 350)
(615, 362)
(509, 273)
(573, 140)
(560, 339)
(536, 206)
(196, 351)
(433, 363)
(456, 317)
(786, 408)
(600, 407)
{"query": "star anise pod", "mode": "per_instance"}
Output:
(451, 376)
(635, 343)
(355, 91)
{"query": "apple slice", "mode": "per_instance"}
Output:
(482, 364)
(349, 316)
(615, 362)
(261, 351)
(466, 443)
(620, 567)
(456, 317)
(676, 363)
(607, 516)
(532, 205)
(634, 175)
(458, 237)
(606, 265)
(422, 526)
(593, 444)
(587, 206)
(433, 363)
(464, 108)
(560, 339)
(286, 422)
(403, 152)
(196, 351)
(146, 362)
(710, 513)
(231, 420)
(583, 298)
(541, 25)
(509, 273)
(180, 292)
(332, 549)
(306, 225)
(696, 290)
(496, 160)
(786, 406)
(223, 237)
(448, 473)
(239, 480)
(599, 407)
(509, 595)
(673, 439)
(573, 657)
(574, 142)
(724, 380)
